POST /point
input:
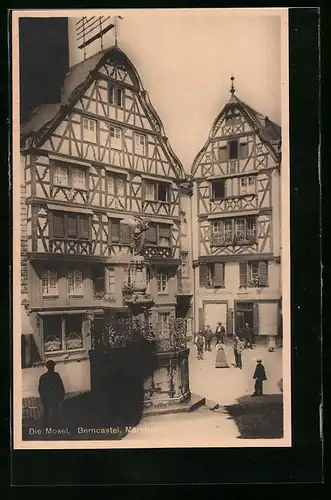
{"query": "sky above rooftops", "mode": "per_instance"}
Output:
(185, 59)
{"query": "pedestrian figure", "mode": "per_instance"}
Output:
(221, 361)
(199, 341)
(208, 338)
(260, 377)
(238, 350)
(248, 333)
(220, 333)
(51, 392)
(271, 344)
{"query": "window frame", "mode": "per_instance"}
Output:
(139, 136)
(162, 281)
(207, 275)
(55, 292)
(116, 141)
(212, 187)
(116, 177)
(74, 292)
(248, 273)
(119, 241)
(89, 121)
(63, 339)
(69, 168)
(66, 236)
(156, 191)
(113, 91)
(158, 243)
(249, 237)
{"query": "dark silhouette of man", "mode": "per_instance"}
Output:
(260, 377)
(51, 390)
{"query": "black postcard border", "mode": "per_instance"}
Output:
(302, 462)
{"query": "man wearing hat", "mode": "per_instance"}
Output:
(260, 377)
(51, 390)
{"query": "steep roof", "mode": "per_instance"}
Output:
(269, 132)
(47, 117)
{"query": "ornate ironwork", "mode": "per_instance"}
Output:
(119, 332)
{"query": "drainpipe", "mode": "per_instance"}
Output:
(194, 269)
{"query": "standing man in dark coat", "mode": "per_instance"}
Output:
(248, 334)
(51, 392)
(220, 332)
(208, 338)
(260, 377)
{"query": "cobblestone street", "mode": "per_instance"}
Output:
(222, 386)
(225, 385)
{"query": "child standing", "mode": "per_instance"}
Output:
(199, 341)
(271, 344)
(260, 377)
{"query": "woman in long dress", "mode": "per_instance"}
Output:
(221, 361)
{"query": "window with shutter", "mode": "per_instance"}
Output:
(253, 273)
(111, 92)
(218, 275)
(243, 150)
(218, 189)
(162, 281)
(243, 273)
(125, 234)
(111, 280)
(110, 184)
(164, 235)
(233, 150)
(84, 224)
(203, 271)
(119, 186)
(115, 230)
(75, 281)
(119, 97)
(222, 154)
(61, 176)
(78, 178)
(151, 234)
(72, 226)
(162, 191)
(58, 225)
(49, 282)
(263, 273)
(98, 275)
(150, 190)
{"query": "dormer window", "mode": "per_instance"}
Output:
(115, 95)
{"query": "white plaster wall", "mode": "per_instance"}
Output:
(75, 376)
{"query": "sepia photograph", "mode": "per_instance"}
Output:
(151, 228)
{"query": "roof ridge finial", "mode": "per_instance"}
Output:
(232, 90)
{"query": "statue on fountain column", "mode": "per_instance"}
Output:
(139, 226)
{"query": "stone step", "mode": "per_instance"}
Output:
(192, 404)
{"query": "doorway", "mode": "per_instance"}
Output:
(244, 314)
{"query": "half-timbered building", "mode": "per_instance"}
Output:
(236, 247)
(98, 156)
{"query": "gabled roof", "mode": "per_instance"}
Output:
(268, 131)
(46, 118)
